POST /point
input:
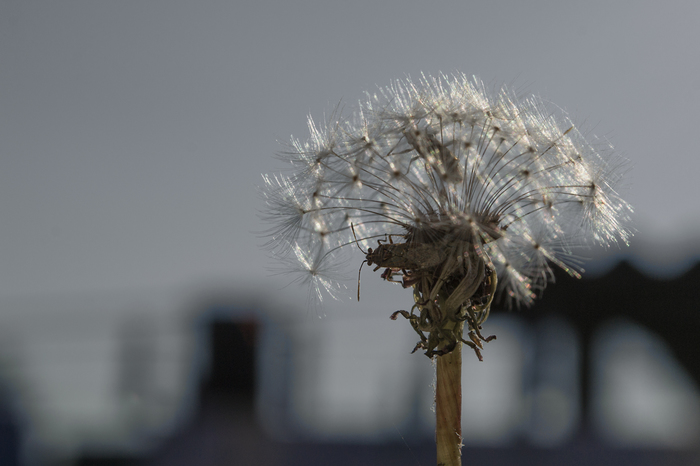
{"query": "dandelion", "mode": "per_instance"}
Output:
(457, 194)
(446, 189)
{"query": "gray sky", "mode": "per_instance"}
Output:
(133, 134)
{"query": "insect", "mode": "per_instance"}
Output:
(405, 259)
(401, 257)
(466, 278)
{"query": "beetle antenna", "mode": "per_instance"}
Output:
(359, 272)
(357, 242)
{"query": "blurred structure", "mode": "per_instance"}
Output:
(601, 371)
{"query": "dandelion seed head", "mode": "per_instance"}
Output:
(307, 265)
(439, 168)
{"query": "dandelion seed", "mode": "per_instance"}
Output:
(456, 194)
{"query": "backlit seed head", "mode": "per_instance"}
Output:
(483, 179)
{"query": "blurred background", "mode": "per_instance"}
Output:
(139, 322)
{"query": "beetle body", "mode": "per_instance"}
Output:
(406, 256)
(408, 260)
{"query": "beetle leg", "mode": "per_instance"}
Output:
(391, 242)
(389, 273)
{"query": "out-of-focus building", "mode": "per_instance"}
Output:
(601, 369)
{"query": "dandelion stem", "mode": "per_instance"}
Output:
(448, 407)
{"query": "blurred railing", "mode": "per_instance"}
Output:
(603, 369)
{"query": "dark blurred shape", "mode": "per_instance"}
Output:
(9, 436)
(224, 429)
(668, 308)
(232, 372)
(111, 461)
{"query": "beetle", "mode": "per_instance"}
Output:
(401, 258)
